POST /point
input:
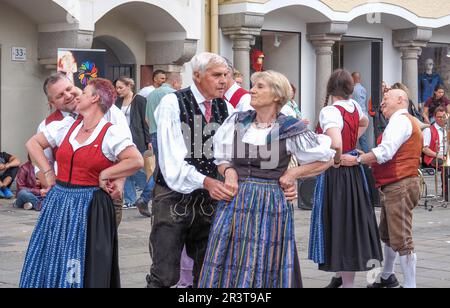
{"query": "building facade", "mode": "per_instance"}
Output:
(139, 37)
(304, 39)
(307, 39)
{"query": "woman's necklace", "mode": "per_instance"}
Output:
(264, 125)
(88, 130)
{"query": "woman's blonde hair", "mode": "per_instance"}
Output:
(280, 85)
(128, 82)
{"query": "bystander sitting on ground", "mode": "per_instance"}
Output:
(8, 170)
(29, 190)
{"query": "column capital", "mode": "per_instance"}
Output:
(412, 37)
(49, 42)
(242, 41)
(333, 29)
(324, 35)
(176, 52)
(411, 52)
(241, 24)
(323, 46)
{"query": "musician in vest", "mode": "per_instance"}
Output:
(61, 95)
(252, 242)
(395, 164)
(186, 185)
(239, 98)
(75, 244)
(344, 232)
(434, 139)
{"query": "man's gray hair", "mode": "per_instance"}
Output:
(201, 62)
(52, 79)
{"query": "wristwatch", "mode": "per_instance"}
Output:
(359, 160)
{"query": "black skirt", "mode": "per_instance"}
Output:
(102, 249)
(351, 236)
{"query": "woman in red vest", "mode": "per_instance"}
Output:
(344, 232)
(74, 244)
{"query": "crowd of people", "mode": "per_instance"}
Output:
(228, 161)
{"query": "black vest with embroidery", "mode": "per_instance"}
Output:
(189, 112)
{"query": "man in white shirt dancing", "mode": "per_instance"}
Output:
(396, 162)
(186, 186)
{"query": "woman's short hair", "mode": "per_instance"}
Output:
(127, 82)
(106, 91)
(280, 85)
(341, 84)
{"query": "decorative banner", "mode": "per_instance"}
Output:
(82, 65)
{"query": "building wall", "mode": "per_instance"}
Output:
(392, 63)
(128, 33)
(356, 54)
(432, 9)
(23, 104)
(278, 21)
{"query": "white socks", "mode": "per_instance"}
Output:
(409, 264)
(390, 256)
(348, 280)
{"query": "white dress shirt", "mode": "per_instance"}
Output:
(442, 136)
(244, 102)
(114, 143)
(114, 116)
(398, 131)
(305, 154)
(145, 92)
(331, 117)
(178, 174)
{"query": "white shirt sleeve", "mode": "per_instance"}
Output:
(47, 152)
(245, 104)
(307, 151)
(288, 111)
(56, 131)
(224, 141)
(426, 138)
(115, 142)
(116, 117)
(361, 113)
(330, 117)
(179, 175)
(396, 134)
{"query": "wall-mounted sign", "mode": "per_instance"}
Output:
(81, 65)
(19, 54)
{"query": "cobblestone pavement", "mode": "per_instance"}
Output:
(431, 234)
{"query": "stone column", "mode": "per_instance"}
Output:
(241, 56)
(410, 42)
(242, 29)
(410, 70)
(323, 36)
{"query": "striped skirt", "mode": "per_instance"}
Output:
(252, 241)
(74, 244)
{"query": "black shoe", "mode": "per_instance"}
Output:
(335, 283)
(143, 208)
(389, 283)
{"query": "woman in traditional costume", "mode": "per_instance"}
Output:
(74, 244)
(344, 232)
(252, 241)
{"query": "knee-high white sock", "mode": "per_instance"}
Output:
(389, 262)
(348, 280)
(409, 264)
